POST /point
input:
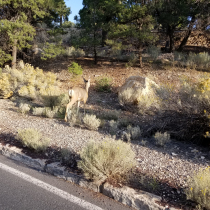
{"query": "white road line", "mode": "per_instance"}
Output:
(50, 188)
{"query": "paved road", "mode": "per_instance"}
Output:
(23, 188)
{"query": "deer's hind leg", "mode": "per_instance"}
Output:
(69, 105)
(78, 104)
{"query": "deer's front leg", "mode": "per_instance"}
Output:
(66, 114)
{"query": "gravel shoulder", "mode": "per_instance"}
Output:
(172, 165)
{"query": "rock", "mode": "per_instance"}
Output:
(174, 154)
(134, 87)
(16, 154)
(128, 196)
(55, 168)
(164, 61)
(194, 150)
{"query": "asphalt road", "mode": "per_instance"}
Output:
(23, 188)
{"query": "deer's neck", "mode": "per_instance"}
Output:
(87, 87)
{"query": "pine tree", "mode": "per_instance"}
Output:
(15, 25)
(134, 23)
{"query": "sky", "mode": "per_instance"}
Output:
(75, 6)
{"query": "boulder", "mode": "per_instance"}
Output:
(134, 88)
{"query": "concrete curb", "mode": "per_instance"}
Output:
(139, 200)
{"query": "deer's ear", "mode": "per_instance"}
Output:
(85, 80)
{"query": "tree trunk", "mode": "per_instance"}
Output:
(187, 35)
(104, 37)
(60, 20)
(95, 56)
(14, 55)
(171, 38)
(140, 57)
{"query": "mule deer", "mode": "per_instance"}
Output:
(77, 94)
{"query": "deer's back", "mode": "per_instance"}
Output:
(80, 93)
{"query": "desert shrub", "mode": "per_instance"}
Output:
(24, 108)
(102, 53)
(91, 122)
(33, 139)
(162, 138)
(38, 111)
(75, 69)
(110, 115)
(124, 122)
(132, 59)
(51, 113)
(201, 60)
(103, 84)
(153, 51)
(199, 188)
(109, 158)
(28, 82)
(113, 127)
(72, 52)
(135, 132)
(54, 100)
(68, 157)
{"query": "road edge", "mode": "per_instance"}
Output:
(139, 200)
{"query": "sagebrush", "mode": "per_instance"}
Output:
(91, 122)
(162, 138)
(33, 139)
(109, 158)
(103, 84)
(28, 82)
(199, 188)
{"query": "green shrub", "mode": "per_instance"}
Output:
(75, 69)
(162, 138)
(33, 139)
(199, 188)
(91, 122)
(103, 84)
(110, 158)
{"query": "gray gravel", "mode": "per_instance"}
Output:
(176, 162)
